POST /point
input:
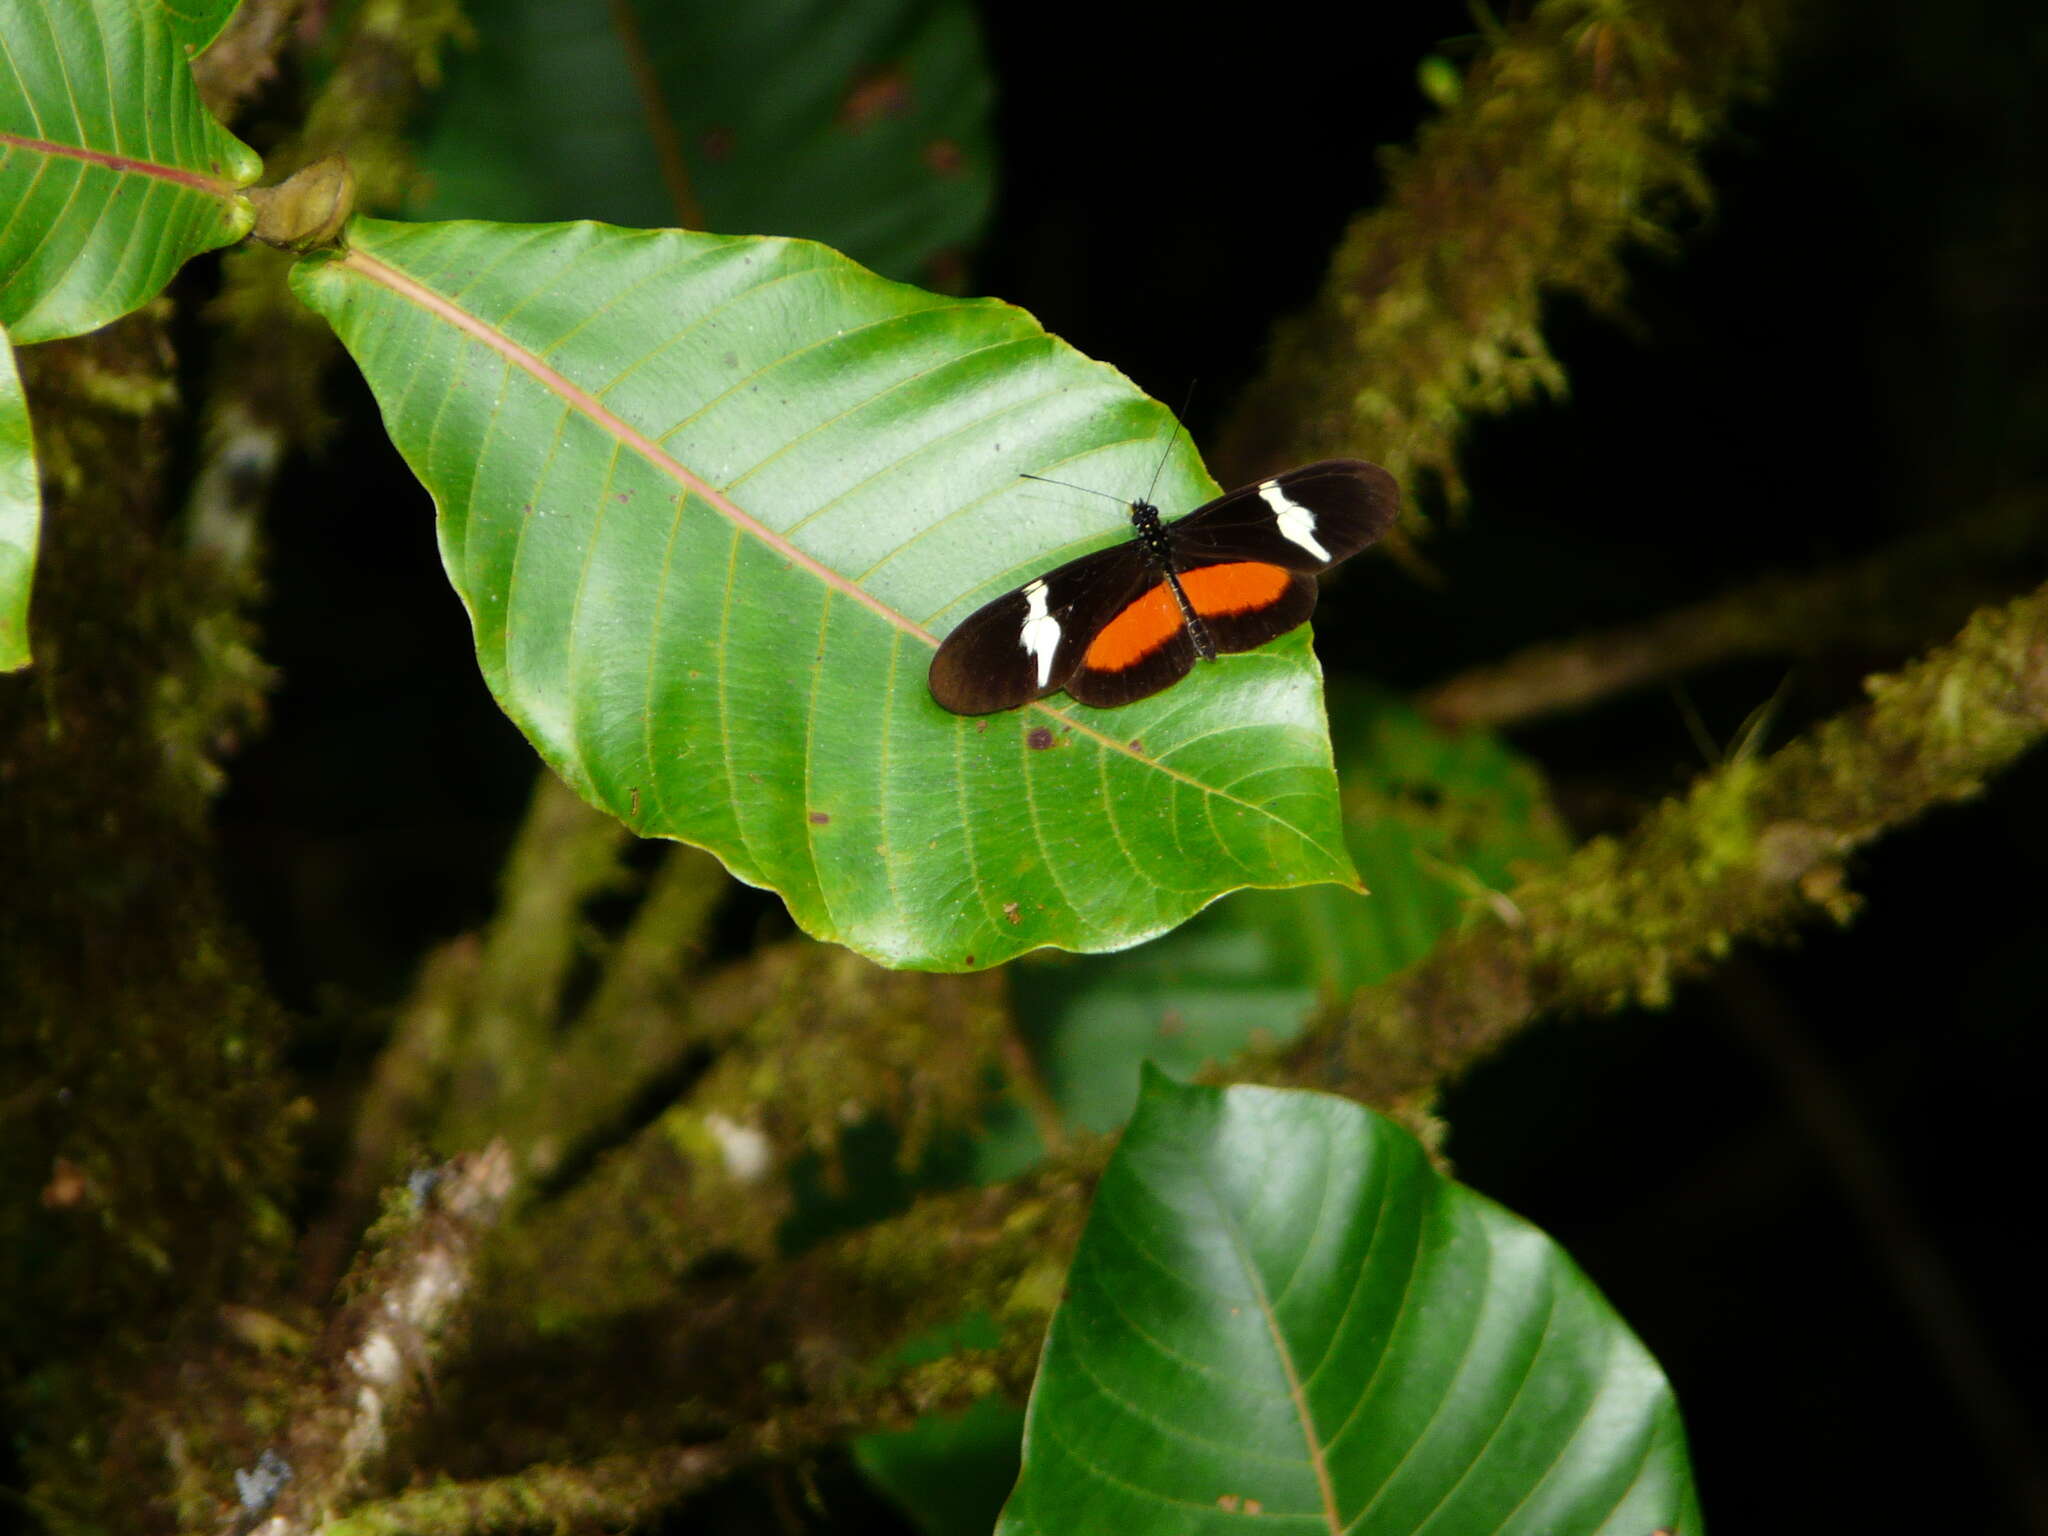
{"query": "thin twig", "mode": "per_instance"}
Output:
(1029, 1084)
(1890, 601)
(660, 120)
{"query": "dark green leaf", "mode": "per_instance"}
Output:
(710, 501)
(949, 1473)
(1281, 1317)
(112, 175)
(859, 123)
(20, 513)
(1437, 822)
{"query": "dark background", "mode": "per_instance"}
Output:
(1848, 348)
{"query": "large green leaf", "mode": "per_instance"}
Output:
(194, 23)
(861, 123)
(112, 175)
(1440, 822)
(709, 502)
(20, 513)
(1280, 1315)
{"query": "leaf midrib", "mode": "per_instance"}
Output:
(593, 409)
(1296, 1392)
(213, 186)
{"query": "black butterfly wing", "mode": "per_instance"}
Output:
(1106, 628)
(1030, 641)
(1120, 668)
(1246, 629)
(1307, 519)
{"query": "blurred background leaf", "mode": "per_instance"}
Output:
(863, 125)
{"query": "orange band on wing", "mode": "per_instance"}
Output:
(1235, 588)
(1154, 618)
(1135, 633)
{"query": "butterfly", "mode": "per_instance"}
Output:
(1122, 623)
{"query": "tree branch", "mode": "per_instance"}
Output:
(1569, 140)
(1890, 601)
(372, 1365)
(1752, 850)
(1749, 852)
(629, 1489)
(815, 1039)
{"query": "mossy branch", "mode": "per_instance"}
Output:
(565, 854)
(239, 62)
(1574, 135)
(624, 1490)
(140, 1048)
(1751, 851)
(823, 1330)
(1755, 848)
(369, 1372)
(482, 1047)
(813, 1039)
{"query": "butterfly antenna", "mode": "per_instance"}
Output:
(1089, 489)
(1171, 438)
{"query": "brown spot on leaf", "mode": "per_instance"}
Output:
(820, 818)
(944, 157)
(1227, 1502)
(1010, 911)
(879, 94)
(717, 144)
(1254, 1507)
(1039, 739)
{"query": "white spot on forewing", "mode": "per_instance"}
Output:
(1041, 633)
(1297, 523)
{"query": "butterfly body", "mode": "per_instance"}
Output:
(1120, 624)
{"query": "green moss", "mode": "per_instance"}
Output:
(151, 1115)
